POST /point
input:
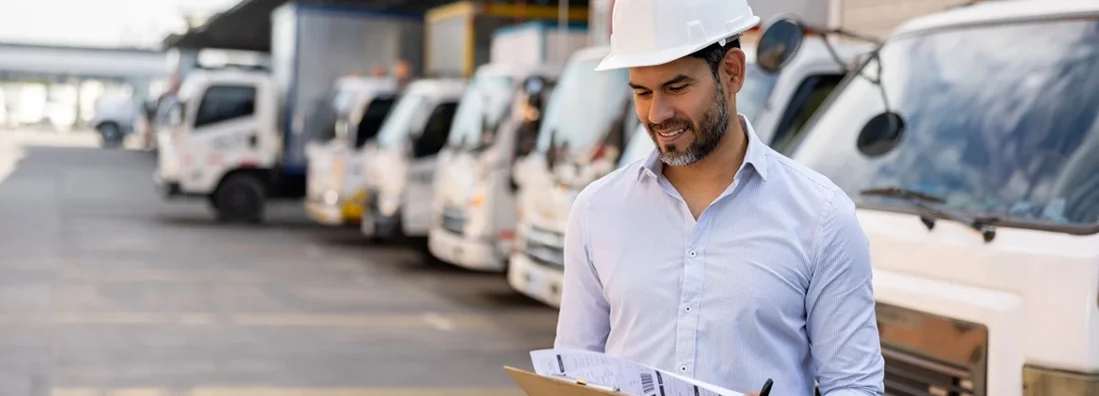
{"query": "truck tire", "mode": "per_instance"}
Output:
(239, 199)
(111, 134)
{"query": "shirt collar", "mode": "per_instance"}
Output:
(756, 155)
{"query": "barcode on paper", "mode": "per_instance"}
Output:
(648, 386)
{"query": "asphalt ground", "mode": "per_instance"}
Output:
(108, 289)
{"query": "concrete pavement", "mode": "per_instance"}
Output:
(105, 289)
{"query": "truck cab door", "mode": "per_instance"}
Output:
(224, 135)
(421, 175)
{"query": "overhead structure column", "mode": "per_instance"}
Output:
(562, 25)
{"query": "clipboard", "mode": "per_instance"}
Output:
(537, 385)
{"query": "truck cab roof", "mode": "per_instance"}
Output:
(999, 12)
(227, 74)
(437, 87)
(518, 71)
(367, 84)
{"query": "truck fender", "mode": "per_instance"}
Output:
(263, 175)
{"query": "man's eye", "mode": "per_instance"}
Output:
(643, 94)
(678, 88)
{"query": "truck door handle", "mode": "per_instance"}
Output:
(253, 141)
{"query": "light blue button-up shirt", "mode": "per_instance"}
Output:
(772, 281)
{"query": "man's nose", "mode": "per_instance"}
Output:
(660, 111)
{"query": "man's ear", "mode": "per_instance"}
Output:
(732, 67)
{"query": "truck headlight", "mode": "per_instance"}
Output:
(1039, 381)
(331, 198)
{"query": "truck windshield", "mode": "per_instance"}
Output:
(639, 146)
(999, 120)
(483, 106)
(584, 107)
(398, 125)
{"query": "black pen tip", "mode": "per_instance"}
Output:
(766, 388)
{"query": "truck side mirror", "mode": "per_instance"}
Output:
(779, 43)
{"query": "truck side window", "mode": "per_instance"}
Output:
(225, 102)
(806, 100)
(437, 130)
(373, 117)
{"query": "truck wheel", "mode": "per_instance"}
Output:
(239, 199)
(111, 135)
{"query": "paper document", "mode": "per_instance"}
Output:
(622, 375)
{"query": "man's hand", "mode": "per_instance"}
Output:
(752, 394)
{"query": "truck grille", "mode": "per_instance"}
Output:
(371, 205)
(932, 355)
(454, 221)
(908, 375)
(545, 247)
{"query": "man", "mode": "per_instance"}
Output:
(716, 258)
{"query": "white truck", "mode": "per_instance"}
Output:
(473, 214)
(778, 104)
(473, 218)
(400, 174)
(336, 184)
(241, 134)
(970, 144)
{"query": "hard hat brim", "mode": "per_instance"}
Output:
(614, 62)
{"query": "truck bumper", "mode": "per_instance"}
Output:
(376, 225)
(463, 252)
(325, 214)
(536, 281)
(166, 189)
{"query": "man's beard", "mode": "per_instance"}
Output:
(707, 135)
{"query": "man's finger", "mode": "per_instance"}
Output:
(752, 394)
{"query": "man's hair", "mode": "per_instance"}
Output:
(715, 53)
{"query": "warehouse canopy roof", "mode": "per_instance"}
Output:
(51, 61)
(247, 25)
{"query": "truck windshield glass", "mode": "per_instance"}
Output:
(639, 146)
(584, 106)
(398, 125)
(757, 88)
(487, 99)
(998, 120)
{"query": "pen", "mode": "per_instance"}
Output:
(766, 388)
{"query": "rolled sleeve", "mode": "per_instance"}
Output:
(841, 322)
(583, 321)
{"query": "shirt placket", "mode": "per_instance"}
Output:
(690, 294)
(694, 269)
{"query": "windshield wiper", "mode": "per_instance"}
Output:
(930, 213)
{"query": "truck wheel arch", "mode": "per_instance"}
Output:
(259, 173)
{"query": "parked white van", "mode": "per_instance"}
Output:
(473, 216)
(400, 175)
(970, 144)
(335, 182)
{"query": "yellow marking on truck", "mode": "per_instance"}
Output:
(534, 12)
(451, 10)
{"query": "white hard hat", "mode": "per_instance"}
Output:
(655, 32)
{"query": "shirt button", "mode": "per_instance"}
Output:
(687, 308)
(692, 253)
(683, 368)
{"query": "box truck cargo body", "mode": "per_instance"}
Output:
(313, 46)
(537, 43)
(459, 35)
